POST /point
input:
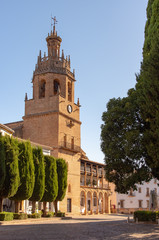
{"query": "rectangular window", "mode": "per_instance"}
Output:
(147, 192)
(72, 143)
(69, 205)
(139, 189)
(140, 203)
(65, 140)
(147, 203)
(122, 203)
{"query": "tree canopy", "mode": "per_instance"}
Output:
(2, 162)
(130, 132)
(39, 186)
(51, 181)
(12, 179)
(62, 178)
(26, 170)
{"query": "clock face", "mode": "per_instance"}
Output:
(69, 108)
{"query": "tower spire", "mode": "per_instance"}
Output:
(53, 24)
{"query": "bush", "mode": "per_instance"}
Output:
(6, 216)
(20, 216)
(49, 214)
(34, 215)
(60, 214)
(148, 216)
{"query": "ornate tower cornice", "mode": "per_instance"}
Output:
(53, 63)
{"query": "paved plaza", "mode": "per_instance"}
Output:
(80, 227)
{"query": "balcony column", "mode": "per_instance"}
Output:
(97, 177)
(91, 175)
(85, 199)
(85, 174)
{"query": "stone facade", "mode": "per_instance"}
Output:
(53, 119)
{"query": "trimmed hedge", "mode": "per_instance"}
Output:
(60, 214)
(6, 216)
(34, 215)
(146, 216)
(49, 214)
(20, 216)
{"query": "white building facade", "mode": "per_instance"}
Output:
(134, 200)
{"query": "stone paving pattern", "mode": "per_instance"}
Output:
(79, 227)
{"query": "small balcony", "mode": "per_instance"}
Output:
(82, 169)
(82, 182)
(88, 169)
(100, 172)
(69, 146)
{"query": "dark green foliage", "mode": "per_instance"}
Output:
(145, 216)
(20, 216)
(12, 180)
(6, 216)
(26, 169)
(39, 186)
(62, 178)
(34, 215)
(60, 214)
(148, 87)
(51, 181)
(2, 162)
(130, 133)
(121, 142)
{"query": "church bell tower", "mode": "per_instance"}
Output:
(51, 116)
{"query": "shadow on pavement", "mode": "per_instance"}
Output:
(98, 230)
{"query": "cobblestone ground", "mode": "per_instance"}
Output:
(81, 227)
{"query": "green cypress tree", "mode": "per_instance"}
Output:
(2, 162)
(148, 87)
(26, 170)
(39, 186)
(62, 181)
(12, 179)
(51, 181)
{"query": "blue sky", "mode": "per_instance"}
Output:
(104, 39)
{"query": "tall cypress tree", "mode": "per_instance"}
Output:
(148, 87)
(62, 180)
(39, 186)
(2, 162)
(26, 170)
(51, 181)
(12, 179)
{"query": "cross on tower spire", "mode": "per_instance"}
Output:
(53, 24)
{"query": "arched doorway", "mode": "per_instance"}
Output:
(82, 203)
(94, 202)
(89, 202)
(100, 202)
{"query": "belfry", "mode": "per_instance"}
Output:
(52, 119)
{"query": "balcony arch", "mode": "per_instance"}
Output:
(56, 87)
(83, 202)
(42, 89)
